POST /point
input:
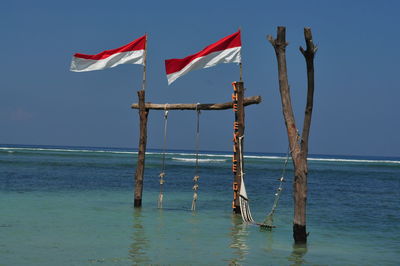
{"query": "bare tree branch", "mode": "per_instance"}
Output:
(309, 57)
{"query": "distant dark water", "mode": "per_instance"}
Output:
(74, 206)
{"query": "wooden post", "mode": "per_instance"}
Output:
(143, 113)
(298, 146)
(238, 108)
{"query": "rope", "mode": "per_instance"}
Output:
(165, 136)
(197, 138)
(243, 199)
(162, 174)
(196, 176)
(270, 217)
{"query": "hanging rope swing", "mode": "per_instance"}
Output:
(163, 165)
(196, 174)
(244, 201)
(162, 174)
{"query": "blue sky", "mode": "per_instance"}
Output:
(356, 96)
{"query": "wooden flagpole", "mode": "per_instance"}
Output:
(240, 64)
(144, 66)
(241, 72)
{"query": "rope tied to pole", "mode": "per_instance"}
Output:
(162, 174)
(243, 198)
(197, 137)
(270, 217)
(196, 176)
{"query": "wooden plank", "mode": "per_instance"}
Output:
(204, 106)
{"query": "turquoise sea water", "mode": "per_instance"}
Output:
(73, 206)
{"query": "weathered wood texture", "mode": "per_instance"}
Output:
(298, 145)
(202, 106)
(139, 174)
(309, 54)
(239, 118)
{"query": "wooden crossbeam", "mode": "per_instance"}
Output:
(202, 106)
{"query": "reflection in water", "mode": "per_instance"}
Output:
(140, 244)
(298, 252)
(268, 238)
(239, 235)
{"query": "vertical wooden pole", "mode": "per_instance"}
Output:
(144, 66)
(238, 108)
(143, 113)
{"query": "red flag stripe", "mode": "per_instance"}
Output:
(138, 44)
(231, 41)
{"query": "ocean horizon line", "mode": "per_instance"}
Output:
(209, 153)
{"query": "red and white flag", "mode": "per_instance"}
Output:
(226, 50)
(132, 53)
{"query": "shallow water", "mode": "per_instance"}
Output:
(74, 207)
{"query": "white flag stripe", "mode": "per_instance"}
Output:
(231, 55)
(130, 57)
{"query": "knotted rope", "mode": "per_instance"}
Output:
(270, 217)
(162, 174)
(196, 176)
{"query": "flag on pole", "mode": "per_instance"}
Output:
(132, 53)
(226, 50)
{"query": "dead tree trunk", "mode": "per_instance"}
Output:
(298, 145)
(143, 113)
